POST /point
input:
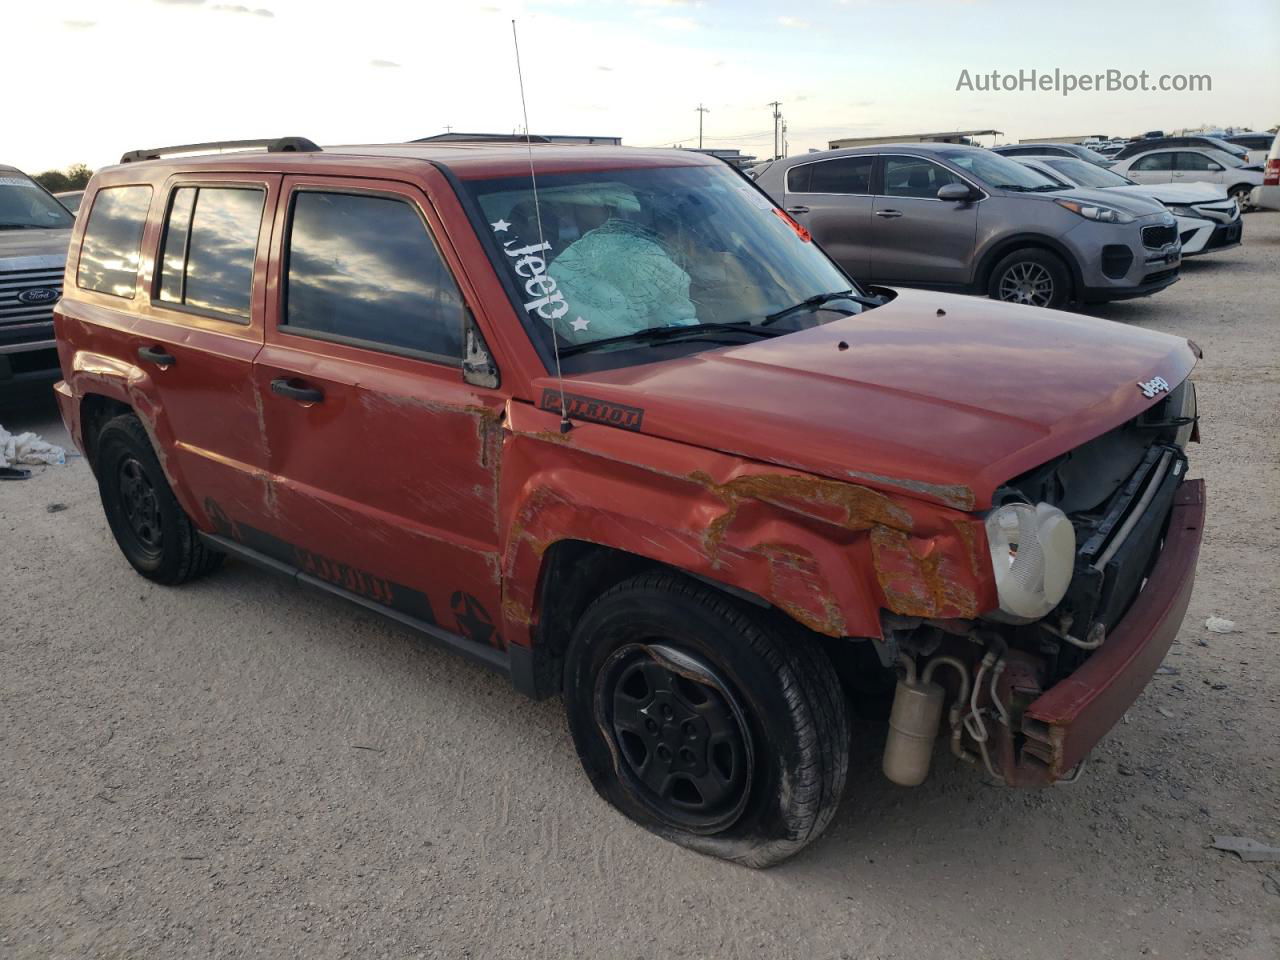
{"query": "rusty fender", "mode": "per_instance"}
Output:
(831, 554)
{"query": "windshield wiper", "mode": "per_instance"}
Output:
(818, 300)
(19, 226)
(666, 334)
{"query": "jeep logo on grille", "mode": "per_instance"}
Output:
(38, 295)
(1153, 386)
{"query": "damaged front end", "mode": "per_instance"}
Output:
(1094, 557)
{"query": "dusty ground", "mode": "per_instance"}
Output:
(243, 767)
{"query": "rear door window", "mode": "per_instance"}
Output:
(849, 175)
(914, 177)
(111, 251)
(362, 268)
(210, 240)
(1155, 162)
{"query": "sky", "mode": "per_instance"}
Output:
(106, 76)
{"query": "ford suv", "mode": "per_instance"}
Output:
(610, 422)
(34, 231)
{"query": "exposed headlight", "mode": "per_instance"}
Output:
(1033, 552)
(1096, 211)
(1185, 409)
(1184, 211)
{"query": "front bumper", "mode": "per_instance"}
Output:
(1139, 270)
(27, 368)
(1063, 724)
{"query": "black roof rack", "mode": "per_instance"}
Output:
(275, 145)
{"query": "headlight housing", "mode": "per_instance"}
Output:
(1096, 211)
(1033, 552)
(1182, 210)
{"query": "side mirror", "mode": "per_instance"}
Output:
(478, 368)
(956, 192)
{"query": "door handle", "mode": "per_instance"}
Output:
(286, 388)
(156, 355)
(888, 214)
(797, 209)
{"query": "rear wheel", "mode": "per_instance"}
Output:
(707, 722)
(153, 532)
(1241, 193)
(1031, 276)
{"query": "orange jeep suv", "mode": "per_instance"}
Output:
(609, 421)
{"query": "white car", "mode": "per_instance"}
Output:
(1187, 164)
(1207, 218)
(1267, 196)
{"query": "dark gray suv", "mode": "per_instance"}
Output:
(965, 218)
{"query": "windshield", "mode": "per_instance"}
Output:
(1091, 155)
(24, 205)
(1233, 149)
(1226, 159)
(623, 253)
(1086, 174)
(1000, 172)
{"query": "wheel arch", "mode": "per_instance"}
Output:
(1001, 248)
(95, 410)
(573, 573)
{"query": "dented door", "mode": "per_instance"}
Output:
(384, 462)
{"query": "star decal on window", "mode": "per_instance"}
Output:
(500, 226)
(580, 324)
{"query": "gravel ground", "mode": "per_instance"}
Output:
(243, 767)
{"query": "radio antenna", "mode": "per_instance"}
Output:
(565, 425)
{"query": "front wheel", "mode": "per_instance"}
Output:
(711, 724)
(1031, 276)
(1241, 194)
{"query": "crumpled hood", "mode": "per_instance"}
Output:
(1196, 192)
(938, 396)
(20, 244)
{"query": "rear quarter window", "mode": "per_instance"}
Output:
(112, 245)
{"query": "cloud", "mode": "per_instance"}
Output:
(681, 24)
(603, 68)
(79, 24)
(793, 23)
(181, 3)
(241, 8)
(666, 3)
(386, 64)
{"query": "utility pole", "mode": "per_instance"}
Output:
(776, 117)
(784, 136)
(701, 111)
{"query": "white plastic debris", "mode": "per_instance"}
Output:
(1217, 624)
(28, 448)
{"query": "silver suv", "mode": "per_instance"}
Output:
(965, 218)
(34, 232)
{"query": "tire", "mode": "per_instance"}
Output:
(1031, 276)
(1241, 193)
(753, 701)
(152, 530)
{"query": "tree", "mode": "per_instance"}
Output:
(75, 177)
